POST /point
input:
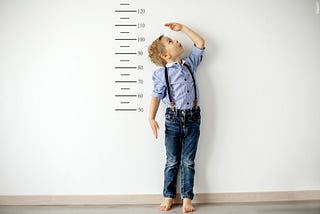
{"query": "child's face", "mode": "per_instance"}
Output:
(173, 47)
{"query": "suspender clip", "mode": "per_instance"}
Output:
(172, 106)
(195, 104)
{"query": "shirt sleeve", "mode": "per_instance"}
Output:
(195, 57)
(159, 89)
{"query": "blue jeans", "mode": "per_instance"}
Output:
(181, 141)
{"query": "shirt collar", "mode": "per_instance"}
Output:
(170, 64)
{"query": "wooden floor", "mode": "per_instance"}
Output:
(309, 207)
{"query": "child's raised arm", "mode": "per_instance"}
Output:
(196, 38)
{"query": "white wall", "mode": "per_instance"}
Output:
(59, 133)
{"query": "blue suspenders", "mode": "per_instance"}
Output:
(195, 102)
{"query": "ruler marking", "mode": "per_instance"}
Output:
(126, 67)
(125, 25)
(125, 11)
(125, 53)
(125, 39)
(125, 109)
(126, 95)
(125, 81)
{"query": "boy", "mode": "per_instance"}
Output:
(175, 83)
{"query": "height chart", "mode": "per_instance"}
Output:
(129, 30)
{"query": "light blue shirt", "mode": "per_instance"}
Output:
(181, 83)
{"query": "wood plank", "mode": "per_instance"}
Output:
(243, 197)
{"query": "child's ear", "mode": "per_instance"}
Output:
(165, 56)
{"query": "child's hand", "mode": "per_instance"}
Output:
(154, 126)
(174, 26)
(196, 38)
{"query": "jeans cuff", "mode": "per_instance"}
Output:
(189, 196)
(169, 196)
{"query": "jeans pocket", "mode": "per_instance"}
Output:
(170, 118)
(196, 117)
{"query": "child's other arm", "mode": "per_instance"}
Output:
(154, 105)
(196, 38)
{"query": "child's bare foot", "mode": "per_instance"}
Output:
(166, 204)
(187, 206)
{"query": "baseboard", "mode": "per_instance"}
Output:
(244, 197)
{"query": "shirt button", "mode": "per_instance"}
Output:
(188, 91)
(185, 79)
(187, 103)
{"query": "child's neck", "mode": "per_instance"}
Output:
(178, 60)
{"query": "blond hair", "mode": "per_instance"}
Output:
(156, 49)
